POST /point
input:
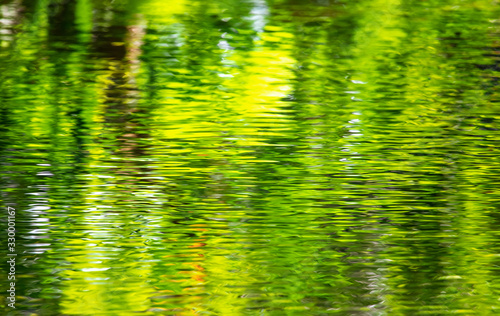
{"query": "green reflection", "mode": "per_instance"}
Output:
(251, 157)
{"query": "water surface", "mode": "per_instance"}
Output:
(251, 157)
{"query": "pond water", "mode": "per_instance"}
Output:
(251, 157)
